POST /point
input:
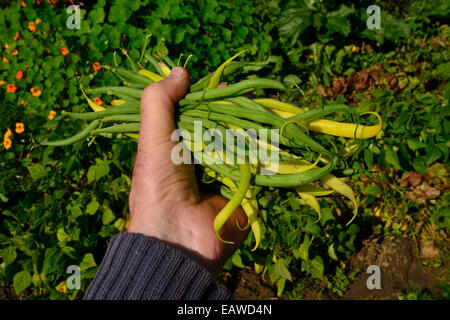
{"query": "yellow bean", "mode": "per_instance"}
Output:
(341, 187)
(278, 105)
(151, 75)
(347, 130)
(91, 103)
(311, 201)
(164, 68)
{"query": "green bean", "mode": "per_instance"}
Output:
(184, 102)
(126, 108)
(300, 138)
(320, 112)
(123, 118)
(276, 180)
(78, 137)
(154, 62)
(120, 128)
(236, 89)
(167, 60)
(132, 76)
(130, 92)
(133, 64)
(225, 118)
(201, 84)
(247, 103)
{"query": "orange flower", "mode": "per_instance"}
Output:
(7, 134)
(20, 127)
(23, 4)
(5, 60)
(35, 91)
(17, 35)
(6, 46)
(2, 83)
(7, 143)
(96, 66)
(14, 52)
(38, 21)
(51, 115)
(11, 88)
(19, 74)
(98, 101)
(31, 26)
(64, 51)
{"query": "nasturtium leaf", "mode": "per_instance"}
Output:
(21, 281)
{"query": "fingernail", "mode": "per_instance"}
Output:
(176, 73)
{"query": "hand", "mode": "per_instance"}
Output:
(165, 201)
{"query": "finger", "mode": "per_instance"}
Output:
(157, 105)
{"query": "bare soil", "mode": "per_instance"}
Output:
(400, 262)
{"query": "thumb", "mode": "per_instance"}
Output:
(157, 105)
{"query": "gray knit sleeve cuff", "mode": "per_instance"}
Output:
(137, 267)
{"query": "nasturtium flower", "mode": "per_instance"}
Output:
(51, 115)
(7, 134)
(14, 52)
(64, 51)
(16, 36)
(35, 91)
(31, 26)
(38, 21)
(96, 66)
(98, 101)
(6, 46)
(5, 60)
(62, 287)
(23, 4)
(11, 88)
(7, 143)
(20, 127)
(19, 74)
(2, 83)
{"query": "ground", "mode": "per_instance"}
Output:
(406, 268)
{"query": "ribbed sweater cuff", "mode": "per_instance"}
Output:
(137, 267)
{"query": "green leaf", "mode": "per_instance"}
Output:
(303, 251)
(51, 258)
(98, 170)
(3, 198)
(314, 229)
(353, 229)
(337, 21)
(280, 286)
(21, 281)
(8, 255)
(317, 267)
(332, 252)
(120, 224)
(87, 262)
(108, 216)
(415, 144)
(392, 158)
(119, 13)
(237, 260)
(92, 207)
(281, 270)
(62, 235)
(37, 171)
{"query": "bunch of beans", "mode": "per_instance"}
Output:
(229, 107)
